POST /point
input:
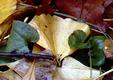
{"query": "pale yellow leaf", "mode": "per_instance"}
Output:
(54, 32)
(7, 7)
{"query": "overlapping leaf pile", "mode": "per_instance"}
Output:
(58, 32)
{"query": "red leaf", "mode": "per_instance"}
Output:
(109, 76)
(31, 2)
(45, 9)
(46, 2)
(88, 10)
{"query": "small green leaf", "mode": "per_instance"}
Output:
(76, 39)
(97, 50)
(21, 35)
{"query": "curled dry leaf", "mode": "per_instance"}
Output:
(55, 32)
(74, 70)
(108, 49)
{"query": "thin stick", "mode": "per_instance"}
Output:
(26, 55)
(111, 28)
(65, 15)
(27, 5)
(108, 19)
(104, 74)
(90, 61)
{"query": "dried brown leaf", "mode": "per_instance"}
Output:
(30, 75)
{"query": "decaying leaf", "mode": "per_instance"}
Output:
(108, 49)
(30, 75)
(9, 75)
(74, 70)
(56, 31)
(38, 69)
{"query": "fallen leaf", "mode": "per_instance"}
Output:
(56, 30)
(7, 7)
(19, 12)
(87, 10)
(108, 49)
(97, 50)
(20, 37)
(76, 40)
(37, 48)
(30, 70)
(9, 75)
(30, 75)
(74, 70)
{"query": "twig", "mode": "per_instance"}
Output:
(111, 28)
(65, 15)
(26, 55)
(107, 20)
(104, 74)
(27, 5)
(90, 61)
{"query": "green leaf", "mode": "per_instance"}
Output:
(76, 39)
(20, 37)
(97, 50)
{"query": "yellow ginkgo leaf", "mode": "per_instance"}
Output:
(7, 7)
(56, 30)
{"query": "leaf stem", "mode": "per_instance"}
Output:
(90, 61)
